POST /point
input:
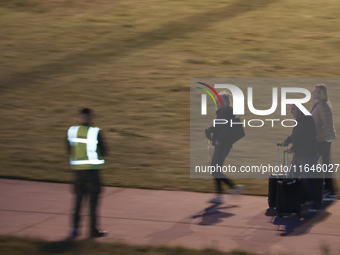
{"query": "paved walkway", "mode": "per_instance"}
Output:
(149, 217)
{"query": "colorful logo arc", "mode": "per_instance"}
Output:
(212, 89)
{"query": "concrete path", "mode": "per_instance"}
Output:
(149, 217)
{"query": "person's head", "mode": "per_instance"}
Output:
(295, 111)
(86, 115)
(225, 98)
(320, 93)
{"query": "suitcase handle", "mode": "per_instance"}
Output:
(285, 159)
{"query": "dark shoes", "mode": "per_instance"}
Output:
(96, 233)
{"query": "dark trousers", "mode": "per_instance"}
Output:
(310, 180)
(220, 153)
(87, 183)
(325, 152)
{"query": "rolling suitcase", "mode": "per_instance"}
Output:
(288, 197)
(274, 178)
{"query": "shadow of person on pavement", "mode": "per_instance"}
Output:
(212, 215)
(264, 232)
(176, 231)
(293, 226)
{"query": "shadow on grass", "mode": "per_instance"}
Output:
(118, 48)
(61, 246)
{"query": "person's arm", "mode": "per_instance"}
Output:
(288, 141)
(298, 135)
(210, 129)
(305, 137)
(101, 145)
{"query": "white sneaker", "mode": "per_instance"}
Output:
(217, 200)
(237, 190)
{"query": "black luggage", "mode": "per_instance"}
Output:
(272, 187)
(288, 197)
(274, 178)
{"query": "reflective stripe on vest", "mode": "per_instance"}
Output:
(91, 145)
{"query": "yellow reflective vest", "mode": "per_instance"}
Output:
(84, 150)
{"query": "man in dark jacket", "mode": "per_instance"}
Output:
(222, 142)
(305, 152)
(303, 137)
(221, 133)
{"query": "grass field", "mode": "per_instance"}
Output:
(19, 246)
(131, 61)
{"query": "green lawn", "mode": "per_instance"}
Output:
(131, 61)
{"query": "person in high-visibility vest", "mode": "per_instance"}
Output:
(86, 148)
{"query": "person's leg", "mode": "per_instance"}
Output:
(229, 182)
(218, 186)
(324, 151)
(93, 211)
(220, 153)
(311, 180)
(94, 197)
(77, 208)
(79, 193)
(309, 185)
